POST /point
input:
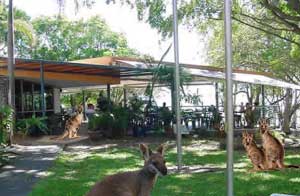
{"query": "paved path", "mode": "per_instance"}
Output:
(18, 178)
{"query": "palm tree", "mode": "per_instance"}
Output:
(78, 4)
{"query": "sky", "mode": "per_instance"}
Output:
(124, 20)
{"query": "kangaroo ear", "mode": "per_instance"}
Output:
(161, 149)
(146, 152)
(244, 133)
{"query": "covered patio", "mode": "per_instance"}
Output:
(39, 84)
(36, 80)
(198, 116)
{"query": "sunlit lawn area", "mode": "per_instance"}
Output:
(74, 173)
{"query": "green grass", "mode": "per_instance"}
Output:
(74, 173)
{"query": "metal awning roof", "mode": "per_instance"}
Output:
(209, 73)
(121, 70)
(244, 78)
(71, 74)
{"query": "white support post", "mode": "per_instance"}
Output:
(229, 101)
(177, 85)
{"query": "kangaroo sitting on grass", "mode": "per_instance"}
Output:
(135, 183)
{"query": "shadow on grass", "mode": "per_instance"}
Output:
(73, 174)
(214, 184)
(71, 177)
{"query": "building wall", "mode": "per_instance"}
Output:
(3, 90)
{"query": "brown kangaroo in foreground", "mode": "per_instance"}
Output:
(135, 183)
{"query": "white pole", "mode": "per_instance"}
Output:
(177, 85)
(11, 64)
(229, 105)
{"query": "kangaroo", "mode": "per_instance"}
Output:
(135, 183)
(274, 150)
(72, 125)
(255, 154)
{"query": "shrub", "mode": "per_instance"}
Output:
(33, 126)
(6, 120)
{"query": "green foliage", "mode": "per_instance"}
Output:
(277, 18)
(136, 108)
(32, 126)
(102, 121)
(194, 99)
(116, 121)
(24, 32)
(165, 75)
(94, 122)
(6, 121)
(56, 38)
(75, 99)
(61, 39)
(121, 118)
(116, 96)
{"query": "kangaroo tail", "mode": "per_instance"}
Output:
(292, 166)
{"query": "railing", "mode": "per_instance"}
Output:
(203, 116)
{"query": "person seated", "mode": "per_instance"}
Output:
(165, 114)
(249, 115)
(256, 113)
(242, 108)
(238, 115)
(90, 111)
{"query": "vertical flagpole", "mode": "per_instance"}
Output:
(177, 84)
(11, 64)
(229, 104)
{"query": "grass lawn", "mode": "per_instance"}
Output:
(75, 172)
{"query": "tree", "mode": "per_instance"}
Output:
(61, 39)
(256, 50)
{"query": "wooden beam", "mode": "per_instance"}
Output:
(65, 77)
(107, 60)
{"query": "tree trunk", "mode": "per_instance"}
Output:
(287, 111)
